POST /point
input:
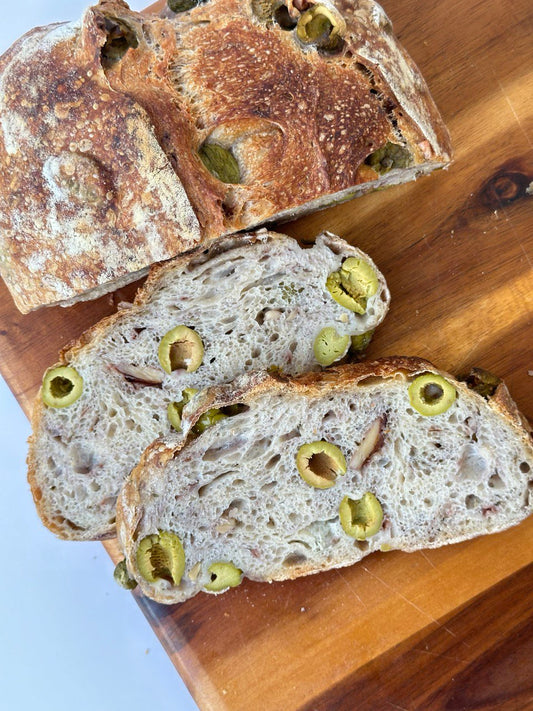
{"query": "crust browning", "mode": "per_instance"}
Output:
(102, 175)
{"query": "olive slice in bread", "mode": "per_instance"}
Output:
(236, 494)
(252, 301)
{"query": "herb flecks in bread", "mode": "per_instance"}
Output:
(236, 492)
(161, 133)
(250, 302)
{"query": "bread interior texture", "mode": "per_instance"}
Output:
(235, 493)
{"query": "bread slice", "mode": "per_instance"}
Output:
(256, 301)
(114, 129)
(234, 494)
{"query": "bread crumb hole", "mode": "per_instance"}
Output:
(496, 482)
(471, 501)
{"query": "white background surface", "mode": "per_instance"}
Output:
(70, 638)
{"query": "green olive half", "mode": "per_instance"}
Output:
(208, 419)
(329, 346)
(220, 162)
(175, 409)
(122, 577)
(160, 556)
(182, 5)
(361, 518)
(181, 349)
(320, 463)
(223, 575)
(354, 283)
(361, 342)
(320, 26)
(389, 156)
(481, 381)
(431, 394)
(61, 386)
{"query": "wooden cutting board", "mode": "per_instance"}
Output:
(443, 629)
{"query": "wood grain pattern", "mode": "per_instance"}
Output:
(442, 629)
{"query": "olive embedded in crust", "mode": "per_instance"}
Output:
(320, 26)
(61, 386)
(182, 5)
(223, 575)
(361, 518)
(389, 156)
(481, 381)
(160, 556)
(431, 394)
(354, 283)
(181, 349)
(329, 346)
(220, 162)
(320, 463)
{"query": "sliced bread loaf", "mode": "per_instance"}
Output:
(319, 471)
(250, 302)
(132, 138)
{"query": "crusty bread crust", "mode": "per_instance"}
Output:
(110, 180)
(87, 195)
(131, 511)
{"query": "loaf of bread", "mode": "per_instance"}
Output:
(250, 302)
(321, 470)
(127, 139)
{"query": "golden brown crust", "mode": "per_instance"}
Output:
(102, 172)
(87, 195)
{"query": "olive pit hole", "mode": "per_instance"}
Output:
(181, 353)
(61, 387)
(431, 393)
(323, 466)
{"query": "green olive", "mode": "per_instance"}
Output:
(182, 5)
(220, 162)
(61, 386)
(181, 349)
(361, 342)
(481, 381)
(320, 463)
(122, 577)
(175, 409)
(160, 556)
(208, 419)
(389, 156)
(320, 26)
(329, 346)
(361, 518)
(431, 394)
(354, 283)
(223, 576)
